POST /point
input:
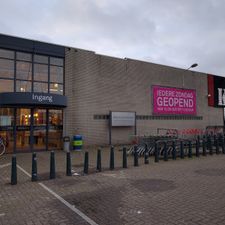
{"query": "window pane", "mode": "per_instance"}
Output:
(56, 89)
(55, 129)
(56, 74)
(40, 72)
(39, 117)
(39, 128)
(6, 85)
(23, 71)
(6, 117)
(23, 121)
(55, 118)
(41, 87)
(6, 54)
(56, 61)
(55, 139)
(23, 117)
(40, 59)
(23, 56)
(23, 86)
(6, 68)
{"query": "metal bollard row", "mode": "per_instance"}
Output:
(166, 149)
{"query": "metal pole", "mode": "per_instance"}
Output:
(110, 127)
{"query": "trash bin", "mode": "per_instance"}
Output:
(77, 142)
(66, 143)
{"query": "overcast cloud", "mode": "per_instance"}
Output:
(171, 32)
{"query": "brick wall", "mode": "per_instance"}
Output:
(96, 84)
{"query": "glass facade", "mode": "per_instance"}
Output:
(25, 72)
(31, 129)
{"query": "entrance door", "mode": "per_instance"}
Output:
(55, 129)
(39, 129)
(6, 128)
(23, 129)
(31, 129)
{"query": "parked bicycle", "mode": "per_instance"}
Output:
(2, 146)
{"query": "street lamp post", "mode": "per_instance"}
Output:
(192, 66)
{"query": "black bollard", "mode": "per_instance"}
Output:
(156, 152)
(189, 149)
(181, 150)
(14, 171)
(217, 145)
(68, 164)
(207, 142)
(146, 154)
(86, 163)
(124, 157)
(222, 145)
(165, 153)
(174, 154)
(99, 161)
(220, 140)
(34, 167)
(210, 146)
(135, 156)
(111, 166)
(203, 147)
(214, 139)
(52, 165)
(204, 139)
(197, 148)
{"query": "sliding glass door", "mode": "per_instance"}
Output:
(31, 129)
(39, 129)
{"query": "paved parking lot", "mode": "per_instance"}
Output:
(188, 191)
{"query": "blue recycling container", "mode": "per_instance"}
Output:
(77, 142)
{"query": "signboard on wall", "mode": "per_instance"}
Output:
(32, 99)
(122, 119)
(173, 101)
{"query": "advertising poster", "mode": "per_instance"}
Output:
(173, 101)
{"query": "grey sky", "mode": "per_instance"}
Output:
(171, 32)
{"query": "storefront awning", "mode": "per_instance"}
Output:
(32, 99)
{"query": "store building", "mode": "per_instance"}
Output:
(49, 91)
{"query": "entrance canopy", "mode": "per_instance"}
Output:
(32, 99)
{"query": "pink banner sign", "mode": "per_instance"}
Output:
(173, 101)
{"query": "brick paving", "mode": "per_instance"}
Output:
(184, 192)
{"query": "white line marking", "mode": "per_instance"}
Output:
(4, 165)
(72, 207)
(23, 170)
(2, 214)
